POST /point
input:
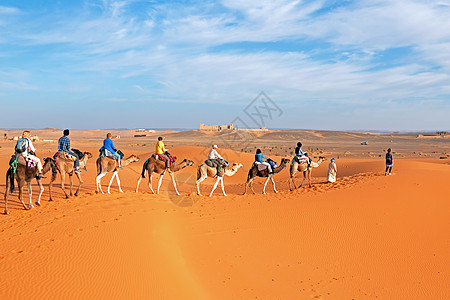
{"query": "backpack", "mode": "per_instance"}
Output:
(21, 145)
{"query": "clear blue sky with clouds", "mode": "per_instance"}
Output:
(339, 65)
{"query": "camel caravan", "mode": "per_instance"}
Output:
(26, 166)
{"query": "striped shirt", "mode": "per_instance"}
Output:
(64, 144)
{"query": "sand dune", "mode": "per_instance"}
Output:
(367, 236)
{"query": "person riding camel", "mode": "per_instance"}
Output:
(24, 149)
(110, 150)
(64, 145)
(259, 158)
(214, 157)
(299, 152)
(162, 152)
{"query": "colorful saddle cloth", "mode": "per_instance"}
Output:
(172, 159)
(64, 155)
(21, 159)
(301, 160)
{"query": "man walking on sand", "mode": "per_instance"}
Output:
(332, 171)
(389, 162)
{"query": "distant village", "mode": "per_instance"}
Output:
(230, 127)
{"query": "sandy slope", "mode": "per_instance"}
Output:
(365, 237)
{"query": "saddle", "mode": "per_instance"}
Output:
(21, 160)
(262, 167)
(103, 153)
(301, 160)
(172, 159)
(63, 155)
(212, 163)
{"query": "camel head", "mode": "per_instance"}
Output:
(284, 161)
(133, 158)
(49, 163)
(88, 154)
(188, 162)
(235, 167)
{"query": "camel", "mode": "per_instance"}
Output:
(157, 166)
(66, 166)
(303, 167)
(107, 164)
(24, 175)
(254, 172)
(204, 171)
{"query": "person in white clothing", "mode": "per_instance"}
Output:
(214, 157)
(213, 154)
(29, 147)
(332, 171)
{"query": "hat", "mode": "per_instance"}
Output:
(332, 159)
(214, 146)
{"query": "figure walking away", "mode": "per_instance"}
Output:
(332, 171)
(389, 162)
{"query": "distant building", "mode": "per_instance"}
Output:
(230, 127)
(219, 128)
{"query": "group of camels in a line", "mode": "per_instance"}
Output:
(24, 175)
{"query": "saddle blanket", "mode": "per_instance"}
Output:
(302, 160)
(64, 155)
(159, 157)
(23, 160)
(260, 166)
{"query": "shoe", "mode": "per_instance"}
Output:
(77, 170)
(385, 173)
(390, 174)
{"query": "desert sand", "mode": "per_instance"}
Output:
(367, 236)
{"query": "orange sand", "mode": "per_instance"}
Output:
(366, 236)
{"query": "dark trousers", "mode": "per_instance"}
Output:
(388, 168)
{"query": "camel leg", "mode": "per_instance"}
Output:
(150, 183)
(160, 181)
(6, 194)
(250, 184)
(214, 187)
(41, 191)
(274, 188)
(80, 181)
(265, 183)
(223, 188)
(309, 177)
(111, 181)
(304, 177)
(30, 195)
(139, 182)
(71, 184)
(63, 179)
(198, 184)
(99, 182)
(50, 187)
(118, 182)
(174, 183)
(21, 195)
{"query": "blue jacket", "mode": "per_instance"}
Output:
(108, 145)
(259, 157)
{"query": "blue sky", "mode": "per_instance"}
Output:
(339, 65)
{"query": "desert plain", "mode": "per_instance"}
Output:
(366, 236)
